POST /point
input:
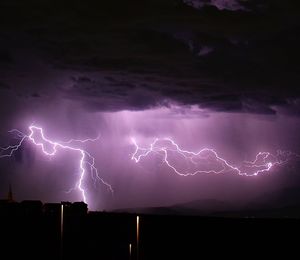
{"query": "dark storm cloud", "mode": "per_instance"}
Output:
(220, 4)
(5, 57)
(4, 86)
(129, 55)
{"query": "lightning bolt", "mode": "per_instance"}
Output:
(49, 148)
(207, 160)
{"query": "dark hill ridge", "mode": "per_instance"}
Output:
(282, 203)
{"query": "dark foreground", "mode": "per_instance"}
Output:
(108, 235)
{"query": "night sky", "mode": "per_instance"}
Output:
(218, 74)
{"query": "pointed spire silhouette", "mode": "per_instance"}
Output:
(10, 194)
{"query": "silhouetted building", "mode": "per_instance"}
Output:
(67, 208)
(9, 208)
(52, 209)
(70, 209)
(31, 208)
(79, 208)
(74, 209)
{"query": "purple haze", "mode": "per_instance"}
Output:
(236, 137)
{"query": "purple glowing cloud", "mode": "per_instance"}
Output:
(236, 138)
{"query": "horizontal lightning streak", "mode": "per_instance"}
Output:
(263, 162)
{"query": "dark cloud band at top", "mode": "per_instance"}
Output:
(129, 55)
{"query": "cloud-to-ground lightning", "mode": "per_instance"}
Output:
(207, 160)
(49, 148)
